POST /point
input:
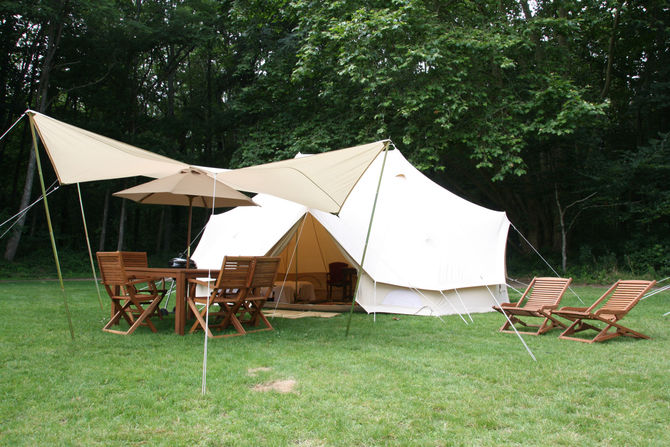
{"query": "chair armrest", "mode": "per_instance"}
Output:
(137, 280)
(549, 307)
(202, 282)
(508, 305)
(616, 313)
(578, 309)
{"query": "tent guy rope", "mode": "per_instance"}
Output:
(463, 304)
(545, 261)
(12, 126)
(512, 325)
(18, 215)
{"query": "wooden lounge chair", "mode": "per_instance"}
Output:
(620, 299)
(251, 311)
(228, 293)
(540, 298)
(134, 298)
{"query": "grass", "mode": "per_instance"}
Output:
(397, 380)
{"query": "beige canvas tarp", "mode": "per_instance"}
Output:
(322, 181)
(79, 155)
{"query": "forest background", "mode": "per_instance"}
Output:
(556, 112)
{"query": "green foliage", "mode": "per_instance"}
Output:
(507, 103)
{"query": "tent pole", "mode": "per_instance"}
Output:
(88, 244)
(209, 275)
(367, 239)
(51, 231)
(188, 237)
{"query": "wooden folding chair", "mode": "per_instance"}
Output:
(139, 259)
(228, 293)
(540, 298)
(128, 298)
(251, 311)
(620, 299)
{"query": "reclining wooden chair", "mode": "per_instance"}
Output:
(228, 293)
(251, 310)
(128, 298)
(623, 296)
(541, 297)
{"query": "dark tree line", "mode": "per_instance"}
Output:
(554, 111)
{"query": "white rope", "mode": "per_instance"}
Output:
(463, 304)
(20, 214)
(209, 294)
(650, 294)
(288, 267)
(545, 261)
(516, 290)
(518, 280)
(453, 307)
(12, 126)
(511, 324)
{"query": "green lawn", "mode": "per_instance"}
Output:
(399, 380)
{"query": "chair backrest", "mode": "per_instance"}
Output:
(265, 271)
(544, 292)
(235, 272)
(336, 271)
(111, 268)
(623, 296)
(134, 258)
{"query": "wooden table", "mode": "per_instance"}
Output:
(181, 277)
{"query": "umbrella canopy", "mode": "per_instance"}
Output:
(189, 187)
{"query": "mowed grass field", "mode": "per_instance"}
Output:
(395, 381)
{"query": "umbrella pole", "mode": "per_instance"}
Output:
(188, 237)
(51, 231)
(367, 239)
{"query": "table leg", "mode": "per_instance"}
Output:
(180, 305)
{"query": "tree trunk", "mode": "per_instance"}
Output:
(54, 32)
(122, 226)
(159, 233)
(610, 53)
(564, 233)
(105, 213)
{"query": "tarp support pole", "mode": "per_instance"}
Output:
(51, 231)
(367, 239)
(88, 244)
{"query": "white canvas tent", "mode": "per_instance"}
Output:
(430, 251)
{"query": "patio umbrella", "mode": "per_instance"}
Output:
(189, 187)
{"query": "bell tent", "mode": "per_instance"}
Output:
(430, 252)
